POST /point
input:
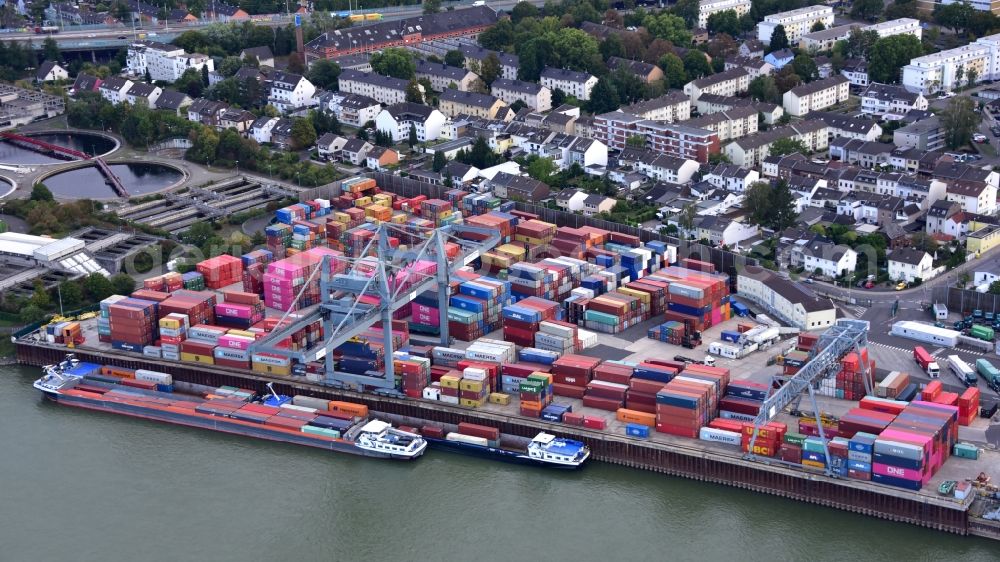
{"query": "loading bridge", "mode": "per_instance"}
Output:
(111, 179)
(47, 146)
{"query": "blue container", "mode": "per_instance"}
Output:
(165, 387)
(685, 309)
(731, 336)
(521, 313)
(605, 260)
(862, 442)
(357, 365)
(84, 369)
(477, 291)
(657, 247)
(858, 465)
(552, 416)
(652, 374)
(893, 460)
(896, 482)
(813, 456)
(908, 393)
(745, 392)
(739, 309)
(542, 356)
(678, 400)
(126, 346)
(331, 423)
(466, 303)
(637, 430)
(272, 400)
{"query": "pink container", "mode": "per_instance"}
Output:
(898, 472)
(235, 342)
(424, 310)
(429, 319)
(716, 316)
(908, 437)
(234, 310)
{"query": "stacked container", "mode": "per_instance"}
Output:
(240, 310)
(572, 374)
(521, 320)
(413, 372)
(132, 323)
(915, 445)
(221, 271)
(535, 394)
(287, 277)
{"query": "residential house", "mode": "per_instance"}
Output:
(524, 188)
(356, 151)
(862, 153)
(114, 89)
(460, 174)
(751, 48)
(570, 199)
(880, 99)
(856, 72)
(974, 196)
(281, 134)
(206, 112)
(50, 71)
(597, 204)
(263, 55)
(908, 264)
(756, 67)
(224, 13)
(239, 119)
(825, 39)
(725, 83)
(351, 109)
(670, 169)
(442, 76)
(380, 157)
(173, 101)
(454, 102)
(828, 259)
(260, 130)
(85, 83)
(925, 135)
(290, 92)
(163, 61)
(845, 126)
(475, 55)
(730, 177)
(535, 96)
(329, 146)
(646, 72)
(786, 300)
(941, 219)
(142, 93)
(400, 118)
(572, 83)
(722, 231)
(816, 95)
(780, 59)
(983, 239)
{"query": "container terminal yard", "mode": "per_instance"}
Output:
(457, 309)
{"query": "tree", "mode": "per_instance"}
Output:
(994, 288)
(71, 294)
(686, 217)
(50, 50)
(412, 138)
(805, 68)
(440, 161)
(818, 26)
(230, 66)
(763, 88)
(454, 57)
(972, 75)
(604, 97)
(860, 43)
(432, 6)
(959, 121)
(523, 10)
(696, 65)
(413, 93)
(867, 9)
(490, 69)
(673, 70)
(725, 21)
(98, 287)
(122, 284)
(669, 27)
(303, 134)
(612, 46)
(959, 74)
(787, 145)
(923, 241)
(498, 37)
(148, 76)
(757, 200)
(324, 73)
(782, 207)
(395, 62)
(39, 192)
(956, 16)
(636, 141)
(688, 11)
(558, 97)
(41, 297)
(779, 39)
(190, 83)
(890, 54)
(31, 314)
(204, 76)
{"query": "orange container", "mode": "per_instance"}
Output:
(634, 416)
(359, 410)
(121, 372)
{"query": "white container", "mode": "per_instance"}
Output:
(153, 376)
(719, 436)
(556, 329)
(300, 408)
(311, 402)
(470, 439)
(431, 393)
(449, 399)
(474, 374)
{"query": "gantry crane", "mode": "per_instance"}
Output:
(843, 337)
(345, 316)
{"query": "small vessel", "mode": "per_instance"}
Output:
(544, 449)
(73, 383)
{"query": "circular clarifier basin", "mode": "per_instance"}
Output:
(88, 182)
(12, 152)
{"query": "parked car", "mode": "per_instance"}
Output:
(901, 285)
(979, 138)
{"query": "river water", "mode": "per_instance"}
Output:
(90, 486)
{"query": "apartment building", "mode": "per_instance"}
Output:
(442, 76)
(708, 7)
(383, 89)
(752, 150)
(796, 22)
(825, 39)
(816, 95)
(398, 119)
(351, 109)
(725, 83)
(901, 26)
(939, 71)
(673, 106)
(475, 55)
(453, 102)
(290, 91)
(882, 99)
(730, 124)
(576, 84)
(536, 96)
(673, 139)
(162, 61)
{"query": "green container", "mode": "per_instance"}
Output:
(813, 445)
(531, 386)
(321, 431)
(795, 438)
(601, 318)
(981, 332)
(966, 451)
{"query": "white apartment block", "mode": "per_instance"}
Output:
(536, 96)
(709, 7)
(290, 91)
(939, 71)
(726, 83)
(576, 84)
(901, 26)
(673, 106)
(383, 89)
(815, 96)
(796, 22)
(164, 62)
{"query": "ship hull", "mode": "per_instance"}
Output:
(220, 424)
(494, 453)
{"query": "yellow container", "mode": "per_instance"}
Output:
(170, 323)
(243, 333)
(473, 386)
(512, 250)
(470, 403)
(363, 202)
(383, 199)
(641, 295)
(500, 398)
(341, 217)
(398, 218)
(529, 239)
(194, 358)
(450, 381)
(814, 464)
(271, 369)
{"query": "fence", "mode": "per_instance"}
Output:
(965, 301)
(723, 260)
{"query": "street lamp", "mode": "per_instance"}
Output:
(237, 167)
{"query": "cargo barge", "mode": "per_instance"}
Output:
(67, 383)
(543, 449)
(693, 459)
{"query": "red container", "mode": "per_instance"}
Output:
(433, 431)
(677, 430)
(146, 385)
(643, 385)
(602, 403)
(573, 418)
(593, 422)
(475, 430)
(568, 390)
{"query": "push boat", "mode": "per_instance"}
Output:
(73, 383)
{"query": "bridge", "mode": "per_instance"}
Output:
(111, 179)
(44, 146)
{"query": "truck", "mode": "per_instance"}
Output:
(990, 373)
(962, 370)
(731, 351)
(980, 332)
(926, 362)
(926, 333)
(940, 311)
